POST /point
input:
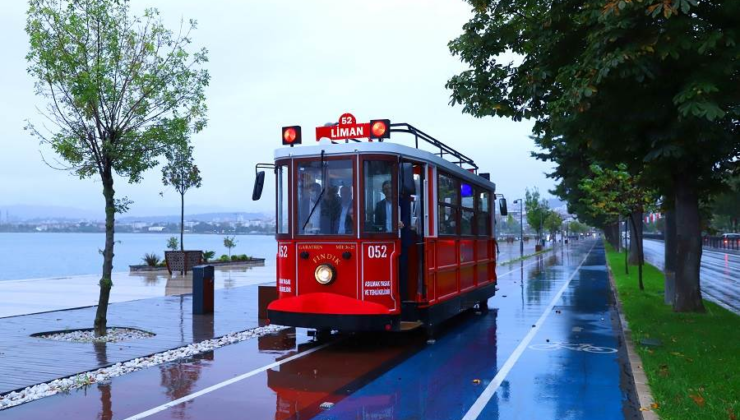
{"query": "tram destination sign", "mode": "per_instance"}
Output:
(349, 128)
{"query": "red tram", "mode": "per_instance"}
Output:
(374, 235)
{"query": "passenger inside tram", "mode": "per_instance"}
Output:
(344, 221)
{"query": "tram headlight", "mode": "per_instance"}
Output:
(324, 274)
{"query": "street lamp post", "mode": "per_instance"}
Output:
(521, 226)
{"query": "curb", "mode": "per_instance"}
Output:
(644, 396)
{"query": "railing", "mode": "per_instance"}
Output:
(457, 157)
(721, 243)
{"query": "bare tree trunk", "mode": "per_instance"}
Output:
(637, 239)
(688, 247)
(182, 222)
(635, 219)
(106, 281)
(669, 235)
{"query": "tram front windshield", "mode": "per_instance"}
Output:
(325, 198)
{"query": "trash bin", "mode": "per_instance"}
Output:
(203, 286)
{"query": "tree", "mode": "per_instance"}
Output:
(181, 173)
(121, 91)
(615, 192)
(173, 243)
(537, 210)
(585, 62)
(230, 242)
(553, 223)
(577, 227)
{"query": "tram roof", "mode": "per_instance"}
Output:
(381, 148)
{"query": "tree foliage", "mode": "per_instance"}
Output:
(536, 209)
(121, 90)
(653, 84)
(182, 174)
(615, 193)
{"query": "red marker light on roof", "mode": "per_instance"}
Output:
(380, 129)
(292, 135)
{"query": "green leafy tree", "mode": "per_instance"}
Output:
(652, 82)
(553, 222)
(537, 211)
(577, 227)
(182, 174)
(229, 243)
(173, 243)
(121, 90)
(614, 193)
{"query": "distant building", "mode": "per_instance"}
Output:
(156, 229)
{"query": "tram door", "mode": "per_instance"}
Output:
(411, 202)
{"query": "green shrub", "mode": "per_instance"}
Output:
(162, 264)
(234, 258)
(152, 260)
(208, 255)
(224, 258)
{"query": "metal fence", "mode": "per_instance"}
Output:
(721, 242)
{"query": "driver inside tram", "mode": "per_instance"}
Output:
(345, 217)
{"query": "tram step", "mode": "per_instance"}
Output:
(410, 325)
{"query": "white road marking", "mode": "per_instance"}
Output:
(212, 388)
(492, 387)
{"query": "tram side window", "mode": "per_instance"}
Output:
(467, 218)
(378, 196)
(449, 199)
(483, 213)
(282, 199)
(325, 200)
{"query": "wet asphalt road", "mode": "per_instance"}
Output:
(548, 348)
(720, 273)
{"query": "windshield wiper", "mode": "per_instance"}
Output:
(321, 194)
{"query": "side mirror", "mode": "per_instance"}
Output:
(259, 182)
(502, 206)
(408, 186)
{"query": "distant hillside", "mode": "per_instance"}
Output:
(30, 213)
(201, 217)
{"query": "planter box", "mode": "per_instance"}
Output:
(182, 261)
(144, 267)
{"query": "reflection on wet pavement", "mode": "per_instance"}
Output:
(402, 376)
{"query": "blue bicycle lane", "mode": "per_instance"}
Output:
(548, 348)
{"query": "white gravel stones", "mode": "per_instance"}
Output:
(80, 380)
(115, 335)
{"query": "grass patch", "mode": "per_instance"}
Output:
(695, 374)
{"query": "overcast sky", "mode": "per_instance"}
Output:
(275, 63)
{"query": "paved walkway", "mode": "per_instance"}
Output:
(26, 360)
(21, 297)
(169, 317)
(720, 273)
(549, 348)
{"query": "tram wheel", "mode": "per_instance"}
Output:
(483, 305)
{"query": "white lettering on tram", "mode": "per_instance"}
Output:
(285, 285)
(377, 292)
(378, 288)
(358, 131)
